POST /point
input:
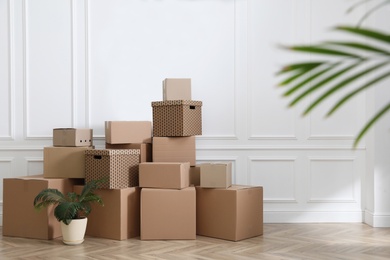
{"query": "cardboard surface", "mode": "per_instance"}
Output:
(72, 137)
(127, 132)
(195, 175)
(177, 118)
(174, 149)
(20, 219)
(120, 167)
(164, 175)
(119, 218)
(216, 175)
(168, 214)
(145, 150)
(177, 89)
(233, 214)
(64, 162)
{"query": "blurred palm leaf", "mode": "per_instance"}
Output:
(345, 64)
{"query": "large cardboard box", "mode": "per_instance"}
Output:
(119, 167)
(119, 218)
(174, 149)
(72, 137)
(145, 150)
(168, 213)
(235, 213)
(177, 118)
(127, 132)
(177, 89)
(64, 162)
(20, 219)
(216, 175)
(168, 175)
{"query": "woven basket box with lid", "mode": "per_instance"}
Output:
(177, 118)
(120, 167)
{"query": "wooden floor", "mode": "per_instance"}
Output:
(280, 241)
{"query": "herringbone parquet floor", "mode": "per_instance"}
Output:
(280, 241)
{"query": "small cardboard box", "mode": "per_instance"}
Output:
(174, 149)
(20, 219)
(145, 150)
(177, 89)
(64, 162)
(168, 213)
(177, 118)
(72, 137)
(119, 166)
(119, 218)
(165, 175)
(216, 175)
(235, 213)
(195, 175)
(127, 132)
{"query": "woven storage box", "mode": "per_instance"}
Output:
(177, 118)
(119, 166)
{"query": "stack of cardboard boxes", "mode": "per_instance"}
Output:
(154, 188)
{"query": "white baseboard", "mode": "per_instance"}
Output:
(312, 217)
(377, 219)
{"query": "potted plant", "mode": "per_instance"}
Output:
(71, 210)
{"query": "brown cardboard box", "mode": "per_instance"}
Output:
(234, 213)
(216, 175)
(119, 218)
(176, 89)
(168, 213)
(72, 137)
(177, 118)
(145, 150)
(127, 132)
(174, 149)
(64, 162)
(195, 175)
(20, 219)
(119, 166)
(167, 175)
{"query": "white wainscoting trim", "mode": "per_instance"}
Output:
(377, 219)
(312, 216)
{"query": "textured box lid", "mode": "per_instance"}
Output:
(108, 152)
(177, 103)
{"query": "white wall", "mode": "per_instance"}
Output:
(69, 63)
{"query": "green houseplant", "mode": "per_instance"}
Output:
(70, 210)
(344, 63)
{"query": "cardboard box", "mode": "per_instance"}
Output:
(72, 137)
(176, 89)
(168, 213)
(20, 219)
(216, 175)
(235, 213)
(127, 132)
(64, 162)
(174, 149)
(195, 175)
(145, 150)
(177, 118)
(119, 218)
(168, 175)
(120, 167)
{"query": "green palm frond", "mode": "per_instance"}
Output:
(48, 197)
(344, 63)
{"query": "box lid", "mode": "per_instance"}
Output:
(177, 103)
(112, 152)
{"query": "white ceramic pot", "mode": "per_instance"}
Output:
(73, 234)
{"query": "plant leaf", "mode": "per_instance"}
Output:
(373, 34)
(48, 197)
(299, 66)
(353, 93)
(372, 121)
(66, 211)
(360, 46)
(325, 51)
(343, 84)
